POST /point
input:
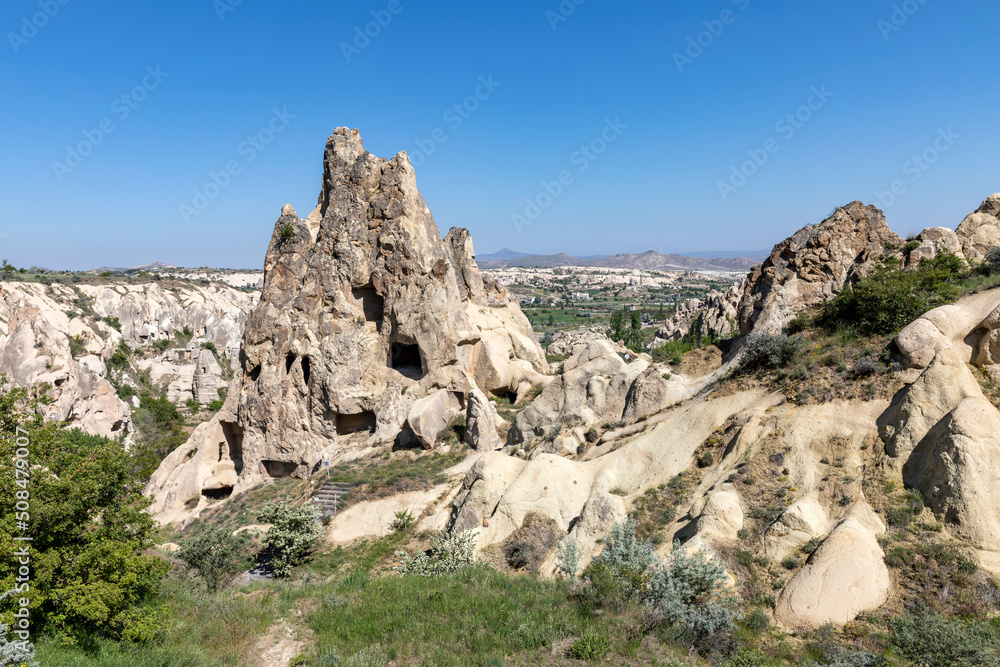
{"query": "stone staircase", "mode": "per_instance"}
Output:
(328, 498)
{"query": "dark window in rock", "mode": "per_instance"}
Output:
(217, 494)
(306, 370)
(405, 358)
(279, 468)
(234, 439)
(289, 360)
(372, 303)
(254, 373)
(361, 422)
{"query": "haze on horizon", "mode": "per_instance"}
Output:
(175, 132)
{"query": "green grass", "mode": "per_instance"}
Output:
(454, 621)
(197, 630)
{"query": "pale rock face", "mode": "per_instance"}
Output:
(845, 576)
(598, 516)
(980, 231)
(941, 429)
(957, 468)
(933, 242)
(804, 520)
(482, 423)
(717, 520)
(812, 266)
(35, 334)
(429, 416)
(593, 388)
(198, 471)
(715, 316)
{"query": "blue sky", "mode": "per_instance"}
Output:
(200, 78)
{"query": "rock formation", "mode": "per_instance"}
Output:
(813, 266)
(370, 327)
(980, 230)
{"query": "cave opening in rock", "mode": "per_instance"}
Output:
(372, 303)
(218, 494)
(289, 360)
(234, 439)
(406, 358)
(505, 395)
(279, 468)
(306, 370)
(362, 422)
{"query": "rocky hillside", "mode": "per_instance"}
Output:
(823, 469)
(647, 261)
(67, 335)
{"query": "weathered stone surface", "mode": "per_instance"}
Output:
(714, 317)
(205, 383)
(813, 265)
(365, 310)
(482, 423)
(980, 230)
(649, 393)
(957, 468)
(845, 576)
(429, 416)
(592, 388)
(933, 242)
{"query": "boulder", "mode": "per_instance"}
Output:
(844, 576)
(957, 468)
(980, 230)
(482, 423)
(933, 242)
(430, 415)
(814, 265)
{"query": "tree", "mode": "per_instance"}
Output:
(87, 522)
(293, 532)
(217, 554)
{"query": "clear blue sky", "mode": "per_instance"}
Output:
(656, 186)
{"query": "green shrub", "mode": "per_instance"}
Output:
(671, 352)
(589, 647)
(764, 351)
(88, 524)
(992, 259)
(16, 653)
(120, 357)
(286, 233)
(890, 297)
(932, 640)
(76, 346)
(293, 532)
(690, 591)
(217, 554)
(114, 323)
(757, 621)
(452, 552)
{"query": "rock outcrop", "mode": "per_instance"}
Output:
(934, 241)
(813, 266)
(715, 317)
(370, 328)
(980, 230)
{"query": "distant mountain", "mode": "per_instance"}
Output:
(650, 261)
(758, 255)
(502, 254)
(145, 267)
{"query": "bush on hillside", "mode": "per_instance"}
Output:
(449, 553)
(991, 262)
(890, 297)
(929, 639)
(293, 532)
(765, 352)
(217, 554)
(90, 570)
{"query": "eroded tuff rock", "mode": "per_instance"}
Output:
(980, 230)
(370, 327)
(813, 266)
(713, 317)
(935, 241)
